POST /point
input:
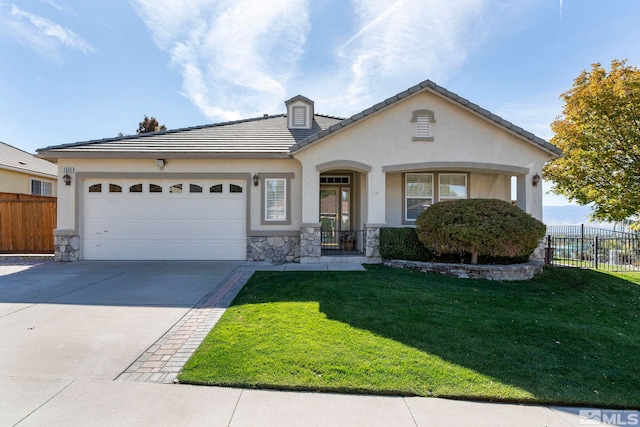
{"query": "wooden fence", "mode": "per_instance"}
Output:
(27, 223)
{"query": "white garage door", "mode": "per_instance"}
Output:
(164, 220)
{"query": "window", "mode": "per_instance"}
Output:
(136, 188)
(423, 120)
(41, 188)
(452, 186)
(95, 188)
(235, 188)
(155, 188)
(175, 188)
(215, 188)
(275, 199)
(334, 180)
(193, 188)
(114, 188)
(418, 194)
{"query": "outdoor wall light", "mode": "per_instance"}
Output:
(160, 163)
(535, 180)
(256, 180)
(67, 179)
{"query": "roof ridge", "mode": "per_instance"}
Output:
(164, 132)
(329, 116)
(434, 87)
(19, 149)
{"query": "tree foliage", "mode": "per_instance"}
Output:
(481, 227)
(150, 124)
(599, 133)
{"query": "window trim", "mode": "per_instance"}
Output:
(41, 181)
(405, 220)
(466, 186)
(287, 177)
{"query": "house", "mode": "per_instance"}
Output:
(24, 173)
(284, 187)
(27, 203)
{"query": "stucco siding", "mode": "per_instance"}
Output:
(385, 140)
(20, 183)
(71, 199)
(14, 182)
(488, 186)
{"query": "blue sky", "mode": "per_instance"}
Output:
(74, 70)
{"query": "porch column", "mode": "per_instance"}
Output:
(376, 215)
(310, 233)
(521, 187)
(530, 197)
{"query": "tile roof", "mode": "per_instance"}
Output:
(428, 85)
(15, 159)
(261, 136)
(266, 136)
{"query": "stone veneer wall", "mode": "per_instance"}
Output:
(273, 248)
(66, 247)
(513, 272)
(311, 243)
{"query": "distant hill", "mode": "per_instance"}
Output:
(570, 215)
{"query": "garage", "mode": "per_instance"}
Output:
(164, 219)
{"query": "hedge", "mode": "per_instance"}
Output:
(403, 243)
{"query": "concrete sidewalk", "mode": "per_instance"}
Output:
(49, 402)
(71, 333)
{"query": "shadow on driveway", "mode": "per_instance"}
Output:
(114, 283)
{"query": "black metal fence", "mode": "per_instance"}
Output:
(590, 247)
(348, 242)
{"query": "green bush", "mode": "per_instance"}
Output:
(480, 227)
(403, 243)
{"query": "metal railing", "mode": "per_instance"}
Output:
(589, 247)
(348, 242)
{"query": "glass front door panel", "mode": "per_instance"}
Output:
(329, 214)
(345, 208)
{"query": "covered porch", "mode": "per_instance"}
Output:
(352, 202)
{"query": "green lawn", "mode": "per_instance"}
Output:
(568, 337)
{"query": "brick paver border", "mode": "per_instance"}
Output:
(162, 362)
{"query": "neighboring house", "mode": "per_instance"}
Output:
(24, 173)
(27, 202)
(270, 188)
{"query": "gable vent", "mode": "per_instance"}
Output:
(423, 126)
(299, 116)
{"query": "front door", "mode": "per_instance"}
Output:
(335, 213)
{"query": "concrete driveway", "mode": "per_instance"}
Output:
(68, 330)
(91, 320)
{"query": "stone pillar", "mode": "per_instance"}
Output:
(372, 240)
(66, 245)
(310, 243)
(539, 252)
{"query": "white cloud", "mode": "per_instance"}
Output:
(39, 33)
(400, 43)
(235, 56)
(62, 7)
(241, 58)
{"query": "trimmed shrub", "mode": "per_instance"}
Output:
(403, 243)
(480, 227)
